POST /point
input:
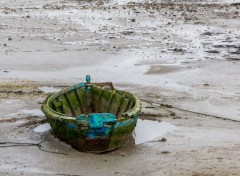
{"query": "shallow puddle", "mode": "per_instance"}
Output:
(148, 130)
(42, 128)
(145, 131)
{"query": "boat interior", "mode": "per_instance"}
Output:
(92, 98)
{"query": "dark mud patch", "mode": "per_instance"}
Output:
(11, 120)
(163, 69)
(128, 32)
(4, 71)
(202, 174)
(23, 124)
(235, 52)
(212, 51)
(233, 59)
(32, 123)
(226, 46)
(237, 4)
(152, 116)
(19, 89)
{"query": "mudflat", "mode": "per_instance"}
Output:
(182, 58)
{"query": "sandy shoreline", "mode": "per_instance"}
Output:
(184, 54)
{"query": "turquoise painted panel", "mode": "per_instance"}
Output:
(98, 119)
(97, 124)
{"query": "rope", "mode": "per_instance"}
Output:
(5, 144)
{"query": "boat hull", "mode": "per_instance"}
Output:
(92, 130)
(121, 133)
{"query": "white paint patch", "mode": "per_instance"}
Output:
(148, 130)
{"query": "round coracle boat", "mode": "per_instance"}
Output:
(92, 117)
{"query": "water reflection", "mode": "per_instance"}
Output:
(148, 130)
(42, 128)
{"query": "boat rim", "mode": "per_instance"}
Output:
(45, 107)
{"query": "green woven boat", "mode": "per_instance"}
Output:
(92, 117)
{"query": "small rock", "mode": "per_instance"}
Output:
(178, 50)
(133, 20)
(212, 51)
(176, 117)
(188, 18)
(208, 33)
(10, 38)
(165, 152)
(163, 140)
(123, 154)
(128, 32)
(233, 59)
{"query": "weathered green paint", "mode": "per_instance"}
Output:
(92, 117)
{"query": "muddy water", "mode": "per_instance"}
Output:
(145, 131)
(42, 128)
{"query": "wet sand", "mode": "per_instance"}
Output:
(181, 58)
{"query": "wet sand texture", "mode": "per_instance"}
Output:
(180, 57)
